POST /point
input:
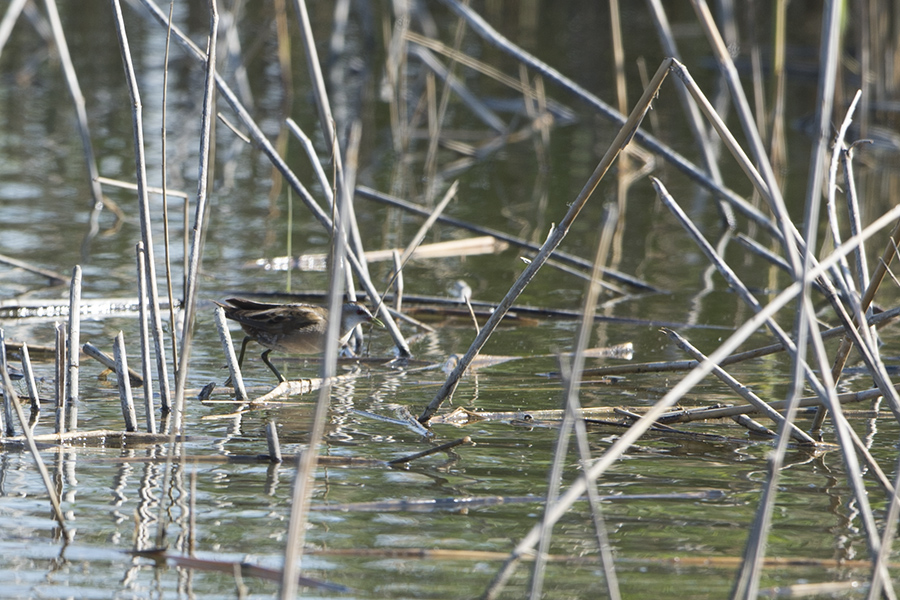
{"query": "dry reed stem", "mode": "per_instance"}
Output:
(203, 185)
(109, 362)
(124, 383)
(144, 207)
(55, 278)
(13, 10)
(173, 326)
(574, 420)
(146, 360)
(30, 384)
(483, 29)
(306, 463)
(383, 198)
(234, 369)
(60, 380)
(9, 394)
(694, 118)
(620, 446)
(742, 390)
(71, 78)
(259, 138)
(624, 136)
(73, 353)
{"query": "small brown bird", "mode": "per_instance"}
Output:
(290, 328)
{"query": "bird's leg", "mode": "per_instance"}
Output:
(265, 359)
(243, 348)
(247, 338)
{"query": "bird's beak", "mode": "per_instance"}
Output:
(377, 322)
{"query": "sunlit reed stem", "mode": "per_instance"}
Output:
(193, 273)
(146, 360)
(144, 207)
(73, 349)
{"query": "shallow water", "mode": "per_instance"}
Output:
(114, 495)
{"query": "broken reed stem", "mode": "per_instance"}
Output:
(203, 185)
(60, 387)
(73, 350)
(146, 360)
(433, 450)
(237, 379)
(9, 393)
(29, 380)
(426, 226)
(741, 390)
(832, 187)
(862, 262)
(272, 441)
(624, 136)
(124, 383)
(6, 422)
(144, 207)
(400, 262)
(109, 362)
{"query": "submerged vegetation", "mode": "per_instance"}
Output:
(441, 89)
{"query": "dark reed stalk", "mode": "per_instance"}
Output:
(146, 359)
(624, 136)
(200, 213)
(9, 392)
(446, 447)
(60, 379)
(144, 207)
(124, 383)
(389, 200)
(59, 37)
(272, 441)
(73, 349)
(240, 393)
